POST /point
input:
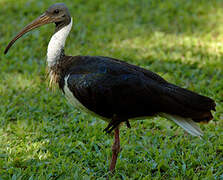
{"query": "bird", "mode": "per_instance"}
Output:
(112, 89)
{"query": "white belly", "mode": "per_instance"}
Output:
(74, 101)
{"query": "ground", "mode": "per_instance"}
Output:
(43, 137)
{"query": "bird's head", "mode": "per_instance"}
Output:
(57, 13)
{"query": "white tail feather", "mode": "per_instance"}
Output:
(186, 123)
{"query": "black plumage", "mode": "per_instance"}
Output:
(111, 87)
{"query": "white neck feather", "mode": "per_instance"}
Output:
(56, 44)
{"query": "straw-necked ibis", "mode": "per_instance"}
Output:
(115, 90)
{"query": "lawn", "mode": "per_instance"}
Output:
(43, 137)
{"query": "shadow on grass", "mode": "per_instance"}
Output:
(170, 16)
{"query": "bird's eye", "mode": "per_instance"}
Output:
(56, 11)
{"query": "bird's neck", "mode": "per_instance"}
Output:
(56, 45)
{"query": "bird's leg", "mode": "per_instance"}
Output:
(115, 150)
(112, 125)
(128, 124)
(109, 126)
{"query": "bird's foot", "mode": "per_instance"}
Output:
(111, 127)
(128, 124)
(115, 123)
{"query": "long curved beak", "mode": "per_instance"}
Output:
(41, 20)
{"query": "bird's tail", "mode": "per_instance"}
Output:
(186, 123)
(185, 108)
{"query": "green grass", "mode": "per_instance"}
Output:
(43, 137)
